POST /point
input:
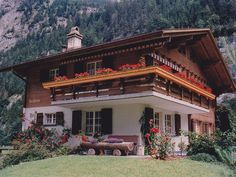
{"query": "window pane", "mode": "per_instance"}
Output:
(157, 120)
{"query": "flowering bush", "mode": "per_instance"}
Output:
(105, 71)
(166, 68)
(131, 66)
(42, 136)
(84, 74)
(60, 78)
(159, 143)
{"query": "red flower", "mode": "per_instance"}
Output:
(147, 135)
(60, 78)
(131, 66)
(154, 130)
(166, 68)
(105, 71)
(84, 74)
(27, 141)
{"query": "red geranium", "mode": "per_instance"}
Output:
(154, 130)
(131, 66)
(166, 68)
(147, 135)
(60, 78)
(84, 74)
(105, 71)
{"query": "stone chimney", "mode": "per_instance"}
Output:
(74, 38)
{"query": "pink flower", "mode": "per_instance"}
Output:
(147, 135)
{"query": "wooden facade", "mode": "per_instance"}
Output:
(190, 52)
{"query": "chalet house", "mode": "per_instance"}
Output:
(170, 76)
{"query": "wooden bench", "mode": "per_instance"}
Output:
(117, 148)
(128, 138)
(126, 147)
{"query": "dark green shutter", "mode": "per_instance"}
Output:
(60, 118)
(148, 114)
(106, 121)
(76, 122)
(39, 120)
(44, 75)
(63, 70)
(79, 67)
(107, 62)
(177, 124)
(190, 123)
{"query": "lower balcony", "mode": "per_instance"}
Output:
(133, 81)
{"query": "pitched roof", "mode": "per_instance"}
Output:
(211, 58)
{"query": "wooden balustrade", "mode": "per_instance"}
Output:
(127, 85)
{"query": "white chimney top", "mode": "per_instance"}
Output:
(74, 38)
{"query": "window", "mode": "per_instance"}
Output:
(50, 119)
(92, 67)
(205, 128)
(53, 73)
(93, 122)
(182, 50)
(168, 124)
(157, 120)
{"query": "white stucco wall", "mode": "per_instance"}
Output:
(125, 118)
(30, 115)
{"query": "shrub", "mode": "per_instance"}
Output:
(200, 144)
(203, 157)
(39, 135)
(63, 150)
(225, 156)
(25, 153)
(159, 144)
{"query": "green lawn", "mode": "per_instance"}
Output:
(90, 166)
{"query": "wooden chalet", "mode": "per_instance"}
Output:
(173, 76)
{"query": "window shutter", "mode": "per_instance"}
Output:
(79, 67)
(177, 124)
(60, 118)
(107, 62)
(44, 75)
(76, 122)
(106, 121)
(190, 123)
(39, 120)
(63, 70)
(148, 114)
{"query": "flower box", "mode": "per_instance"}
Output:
(84, 74)
(60, 78)
(105, 71)
(166, 68)
(133, 66)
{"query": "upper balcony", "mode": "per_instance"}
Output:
(128, 80)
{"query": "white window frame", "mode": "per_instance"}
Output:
(170, 131)
(157, 123)
(94, 127)
(53, 73)
(95, 63)
(50, 119)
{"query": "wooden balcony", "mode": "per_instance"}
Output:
(151, 78)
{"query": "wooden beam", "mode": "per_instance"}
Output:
(122, 85)
(74, 91)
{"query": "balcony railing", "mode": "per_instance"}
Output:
(151, 78)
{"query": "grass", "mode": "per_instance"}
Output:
(107, 166)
